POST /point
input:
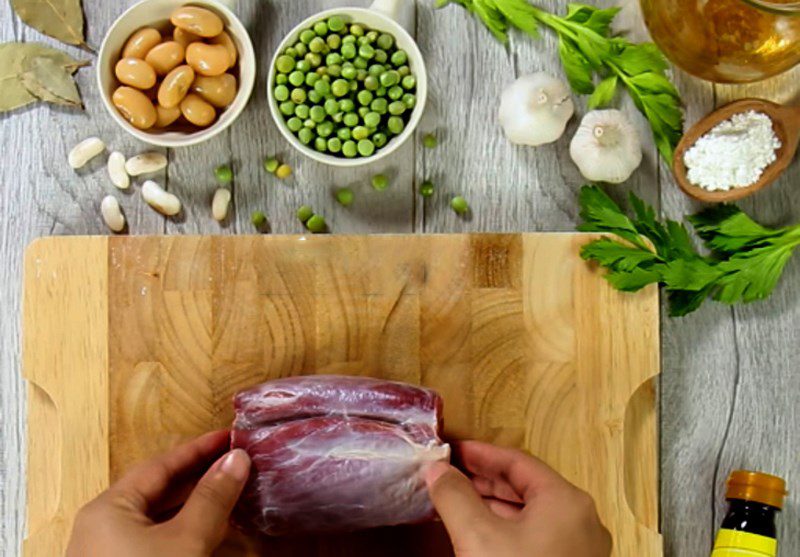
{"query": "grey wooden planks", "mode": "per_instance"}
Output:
(729, 382)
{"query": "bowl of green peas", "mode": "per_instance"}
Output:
(347, 86)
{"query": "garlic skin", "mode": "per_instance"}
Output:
(535, 109)
(606, 147)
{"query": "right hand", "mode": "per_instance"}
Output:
(514, 505)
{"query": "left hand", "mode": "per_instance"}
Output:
(124, 520)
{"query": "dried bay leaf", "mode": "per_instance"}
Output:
(50, 82)
(18, 58)
(60, 19)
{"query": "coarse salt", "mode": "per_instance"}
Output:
(734, 154)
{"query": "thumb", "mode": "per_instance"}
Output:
(460, 507)
(207, 511)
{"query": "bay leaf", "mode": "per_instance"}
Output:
(60, 19)
(51, 82)
(15, 60)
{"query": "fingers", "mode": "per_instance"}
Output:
(497, 489)
(503, 509)
(521, 471)
(460, 507)
(205, 514)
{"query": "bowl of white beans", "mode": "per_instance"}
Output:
(201, 58)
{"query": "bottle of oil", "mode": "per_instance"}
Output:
(749, 527)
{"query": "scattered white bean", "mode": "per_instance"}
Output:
(112, 214)
(160, 200)
(219, 206)
(85, 151)
(146, 163)
(116, 170)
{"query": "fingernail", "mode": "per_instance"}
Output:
(435, 471)
(236, 464)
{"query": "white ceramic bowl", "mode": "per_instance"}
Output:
(380, 20)
(156, 13)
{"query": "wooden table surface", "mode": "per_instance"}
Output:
(730, 381)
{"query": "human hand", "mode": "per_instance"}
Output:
(124, 520)
(513, 506)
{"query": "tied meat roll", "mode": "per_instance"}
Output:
(336, 454)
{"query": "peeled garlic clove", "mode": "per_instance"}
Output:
(85, 151)
(220, 203)
(535, 109)
(606, 147)
(146, 163)
(116, 171)
(112, 214)
(160, 200)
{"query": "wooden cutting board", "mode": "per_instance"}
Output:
(132, 345)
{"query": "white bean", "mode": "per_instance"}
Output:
(116, 170)
(112, 214)
(160, 200)
(146, 163)
(85, 151)
(219, 206)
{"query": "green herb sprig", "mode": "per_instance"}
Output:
(745, 263)
(588, 52)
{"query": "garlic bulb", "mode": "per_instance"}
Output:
(535, 109)
(606, 147)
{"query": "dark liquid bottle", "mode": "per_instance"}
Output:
(748, 529)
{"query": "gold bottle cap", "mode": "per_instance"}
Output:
(758, 487)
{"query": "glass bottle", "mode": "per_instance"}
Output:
(748, 529)
(727, 41)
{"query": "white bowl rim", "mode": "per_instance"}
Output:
(242, 96)
(420, 73)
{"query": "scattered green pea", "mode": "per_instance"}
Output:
(316, 224)
(426, 189)
(459, 205)
(223, 174)
(283, 171)
(430, 141)
(258, 219)
(380, 182)
(345, 197)
(304, 212)
(271, 164)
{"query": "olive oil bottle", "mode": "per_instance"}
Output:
(749, 527)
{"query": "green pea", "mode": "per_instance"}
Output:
(321, 28)
(304, 212)
(459, 205)
(360, 63)
(299, 95)
(291, 51)
(334, 145)
(380, 182)
(284, 63)
(335, 23)
(294, 124)
(314, 97)
(258, 219)
(409, 82)
(316, 224)
(399, 58)
(320, 144)
(380, 139)
(271, 164)
(322, 87)
(347, 105)
(340, 87)
(363, 40)
(281, 93)
(303, 66)
(366, 51)
(335, 70)
(385, 41)
(397, 108)
(301, 48)
(372, 36)
(307, 36)
(306, 136)
(338, 117)
(333, 58)
(224, 174)
(350, 119)
(297, 78)
(430, 141)
(349, 51)
(287, 108)
(281, 79)
(318, 45)
(356, 30)
(331, 106)
(353, 86)
(380, 56)
(372, 120)
(344, 134)
(377, 69)
(313, 59)
(349, 149)
(390, 78)
(362, 74)
(360, 132)
(364, 97)
(426, 189)
(322, 71)
(318, 113)
(349, 72)
(363, 111)
(312, 78)
(404, 71)
(381, 92)
(371, 83)
(395, 125)
(325, 129)
(379, 105)
(334, 42)
(345, 197)
(396, 93)
(309, 123)
(409, 100)
(366, 148)
(301, 111)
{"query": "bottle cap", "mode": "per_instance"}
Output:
(758, 487)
